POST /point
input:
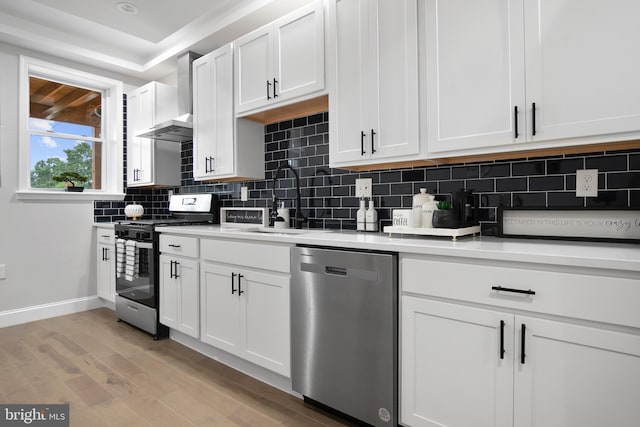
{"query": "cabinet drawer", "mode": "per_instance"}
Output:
(179, 245)
(582, 296)
(105, 235)
(253, 254)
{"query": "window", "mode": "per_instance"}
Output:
(70, 121)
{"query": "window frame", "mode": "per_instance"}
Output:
(112, 149)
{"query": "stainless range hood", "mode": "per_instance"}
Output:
(179, 129)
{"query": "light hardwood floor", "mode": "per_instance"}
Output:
(114, 375)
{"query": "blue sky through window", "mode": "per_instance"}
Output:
(44, 147)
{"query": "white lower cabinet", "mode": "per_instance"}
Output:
(498, 362)
(180, 294)
(245, 311)
(180, 284)
(452, 372)
(106, 264)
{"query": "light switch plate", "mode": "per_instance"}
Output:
(363, 187)
(244, 196)
(587, 183)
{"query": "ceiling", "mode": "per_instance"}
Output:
(143, 44)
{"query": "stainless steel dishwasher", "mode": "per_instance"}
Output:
(344, 331)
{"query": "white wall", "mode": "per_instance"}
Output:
(46, 246)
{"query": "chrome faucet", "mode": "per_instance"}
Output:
(299, 219)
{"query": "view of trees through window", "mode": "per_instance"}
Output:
(65, 134)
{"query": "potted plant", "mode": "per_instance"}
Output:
(445, 216)
(69, 177)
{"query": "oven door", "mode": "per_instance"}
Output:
(135, 271)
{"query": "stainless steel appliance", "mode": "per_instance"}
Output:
(344, 331)
(137, 253)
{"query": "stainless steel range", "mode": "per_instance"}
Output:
(137, 253)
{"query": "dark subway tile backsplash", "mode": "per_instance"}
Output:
(328, 194)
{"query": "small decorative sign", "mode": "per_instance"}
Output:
(244, 216)
(619, 225)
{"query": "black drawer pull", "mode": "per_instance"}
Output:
(240, 291)
(523, 332)
(502, 339)
(517, 291)
(171, 245)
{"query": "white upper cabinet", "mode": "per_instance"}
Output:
(223, 147)
(280, 61)
(582, 68)
(474, 73)
(151, 162)
(373, 75)
(510, 72)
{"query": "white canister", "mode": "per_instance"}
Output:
(428, 208)
(419, 200)
(134, 211)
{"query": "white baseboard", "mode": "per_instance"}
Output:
(45, 311)
(248, 368)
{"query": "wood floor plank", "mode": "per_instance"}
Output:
(112, 374)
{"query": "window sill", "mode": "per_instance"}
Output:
(66, 196)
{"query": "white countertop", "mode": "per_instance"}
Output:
(614, 256)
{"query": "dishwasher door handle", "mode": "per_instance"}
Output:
(336, 271)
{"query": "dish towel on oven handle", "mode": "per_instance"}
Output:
(131, 261)
(120, 257)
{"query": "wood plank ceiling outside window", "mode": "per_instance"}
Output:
(60, 102)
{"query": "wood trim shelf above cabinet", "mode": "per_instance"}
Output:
(578, 149)
(307, 107)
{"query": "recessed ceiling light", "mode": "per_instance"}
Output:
(128, 8)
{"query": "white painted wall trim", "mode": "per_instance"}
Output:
(45, 311)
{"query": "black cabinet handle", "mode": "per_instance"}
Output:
(206, 164)
(103, 259)
(362, 143)
(523, 332)
(373, 150)
(233, 290)
(515, 121)
(240, 291)
(171, 269)
(275, 93)
(502, 339)
(268, 89)
(517, 291)
(533, 114)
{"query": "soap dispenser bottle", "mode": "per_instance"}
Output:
(360, 216)
(371, 218)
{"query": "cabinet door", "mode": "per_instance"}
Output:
(575, 376)
(213, 136)
(299, 52)
(180, 294)
(349, 30)
(474, 73)
(393, 128)
(220, 307)
(106, 274)
(582, 67)
(169, 293)
(140, 115)
(265, 320)
(254, 70)
(452, 373)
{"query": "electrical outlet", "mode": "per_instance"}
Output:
(3, 271)
(587, 183)
(363, 187)
(244, 194)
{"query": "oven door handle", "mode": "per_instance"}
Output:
(144, 245)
